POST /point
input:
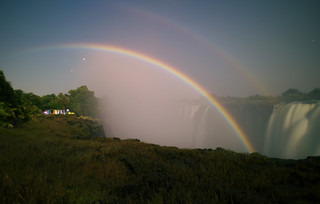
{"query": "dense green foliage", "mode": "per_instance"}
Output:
(6, 91)
(83, 101)
(7, 102)
(17, 106)
(49, 102)
(61, 159)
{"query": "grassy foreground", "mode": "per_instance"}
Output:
(63, 160)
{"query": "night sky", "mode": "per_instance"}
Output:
(231, 48)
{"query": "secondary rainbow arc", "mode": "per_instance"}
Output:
(212, 47)
(210, 98)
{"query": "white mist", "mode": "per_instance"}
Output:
(146, 102)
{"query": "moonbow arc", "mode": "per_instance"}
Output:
(139, 56)
(208, 44)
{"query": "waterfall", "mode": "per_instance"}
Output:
(287, 130)
(202, 126)
(294, 130)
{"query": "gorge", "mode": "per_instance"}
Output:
(286, 130)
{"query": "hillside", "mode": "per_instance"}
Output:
(64, 159)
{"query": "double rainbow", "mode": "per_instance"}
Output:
(139, 56)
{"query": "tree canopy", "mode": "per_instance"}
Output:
(292, 92)
(16, 105)
(6, 91)
(83, 101)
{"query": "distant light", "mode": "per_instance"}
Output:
(83, 59)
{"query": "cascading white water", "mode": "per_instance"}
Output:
(197, 125)
(294, 130)
(202, 126)
(145, 102)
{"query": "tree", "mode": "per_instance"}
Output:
(63, 101)
(33, 98)
(7, 102)
(49, 102)
(6, 91)
(15, 105)
(315, 92)
(292, 93)
(83, 102)
(28, 105)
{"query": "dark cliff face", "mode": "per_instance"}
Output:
(253, 118)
